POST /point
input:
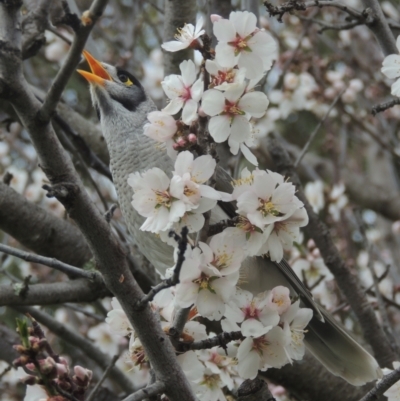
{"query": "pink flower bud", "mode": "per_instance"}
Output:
(30, 366)
(215, 18)
(181, 142)
(192, 138)
(175, 146)
(82, 373)
(61, 369)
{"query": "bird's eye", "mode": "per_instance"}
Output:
(125, 80)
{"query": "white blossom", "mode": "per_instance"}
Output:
(295, 320)
(209, 275)
(284, 233)
(158, 198)
(224, 78)
(269, 199)
(241, 42)
(230, 114)
(186, 36)
(391, 68)
(118, 320)
(161, 127)
(184, 91)
(254, 314)
(314, 192)
(267, 351)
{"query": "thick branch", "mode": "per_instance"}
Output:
(79, 290)
(380, 28)
(347, 282)
(41, 231)
(177, 14)
(254, 390)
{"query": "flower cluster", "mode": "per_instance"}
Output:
(181, 199)
(243, 55)
(46, 369)
(270, 214)
(269, 327)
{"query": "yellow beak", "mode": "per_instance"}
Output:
(98, 75)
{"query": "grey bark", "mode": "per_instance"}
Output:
(39, 230)
(79, 290)
(380, 28)
(177, 14)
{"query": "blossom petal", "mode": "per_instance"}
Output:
(219, 128)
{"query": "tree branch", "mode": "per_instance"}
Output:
(51, 262)
(254, 390)
(154, 389)
(79, 290)
(41, 231)
(388, 381)
(380, 28)
(88, 20)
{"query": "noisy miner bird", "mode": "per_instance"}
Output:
(123, 105)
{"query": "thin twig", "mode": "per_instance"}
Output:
(155, 389)
(284, 8)
(316, 129)
(217, 228)
(169, 282)
(383, 385)
(384, 106)
(75, 308)
(51, 262)
(90, 397)
(220, 340)
(339, 27)
(72, 60)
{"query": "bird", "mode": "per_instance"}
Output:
(122, 105)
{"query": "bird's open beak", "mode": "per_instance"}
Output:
(98, 75)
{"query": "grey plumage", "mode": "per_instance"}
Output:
(123, 112)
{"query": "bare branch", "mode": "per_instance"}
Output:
(79, 290)
(169, 282)
(380, 28)
(154, 389)
(90, 397)
(51, 262)
(220, 340)
(384, 106)
(316, 129)
(294, 5)
(41, 231)
(254, 390)
(383, 385)
(89, 19)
